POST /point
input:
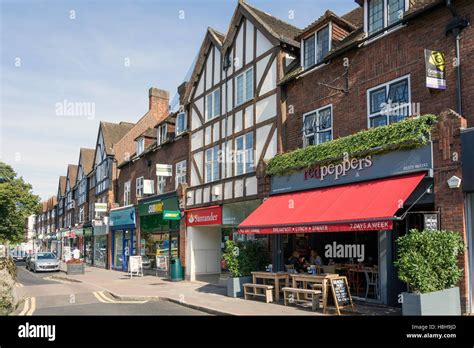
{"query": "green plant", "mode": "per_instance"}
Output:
(241, 258)
(409, 133)
(428, 260)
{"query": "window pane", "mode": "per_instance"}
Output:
(378, 121)
(323, 43)
(398, 92)
(249, 84)
(395, 10)
(209, 106)
(217, 102)
(309, 52)
(324, 136)
(239, 143)
(309, 124)
(324, 119)
(377, 100)
(375, 15)
(240, 89)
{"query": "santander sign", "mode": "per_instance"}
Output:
(207, 216)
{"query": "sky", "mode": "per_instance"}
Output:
(100, 58)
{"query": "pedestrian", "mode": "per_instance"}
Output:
(76, 254)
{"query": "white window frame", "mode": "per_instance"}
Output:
(212, 163)
(127, 192)
(245, 154)
(178, 130)
(160, 184)
(140, 146)
(245, 98)
(387, 85)
(180, 173)
(162, 138)
(315, 34)
(213, 102)
(305, 141)
(385, 16)
(139, 186)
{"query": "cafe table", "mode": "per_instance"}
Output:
(275, 276)
(320, 282)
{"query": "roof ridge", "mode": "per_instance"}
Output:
(267, 14)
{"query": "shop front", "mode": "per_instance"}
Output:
(100, 244)
(345, 217)
(88, 250)
(124, 239)
(207, 231)
(159, 229)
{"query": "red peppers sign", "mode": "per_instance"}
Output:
(204, 216)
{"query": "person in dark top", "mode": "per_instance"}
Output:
(294, 260)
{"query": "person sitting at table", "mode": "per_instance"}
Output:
(315, 259)
(294, 260)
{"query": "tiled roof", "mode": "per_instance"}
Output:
(149, 133)
(72, 174)
(113, 132)
(278, 28)
(355, 17)
(327, 16)
(87, 156)
(62, 185)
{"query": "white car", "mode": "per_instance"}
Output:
(42, 262)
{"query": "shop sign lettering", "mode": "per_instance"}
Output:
(337, 170)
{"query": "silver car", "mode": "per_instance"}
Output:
(41, 262)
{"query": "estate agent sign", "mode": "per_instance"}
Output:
(355, 170)
(435, 69)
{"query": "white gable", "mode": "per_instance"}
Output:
(263, 44)
(249, 42)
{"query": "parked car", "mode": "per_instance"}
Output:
(146, 263)
(19, 257)
(41, 262)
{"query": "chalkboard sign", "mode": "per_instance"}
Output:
(341, 293)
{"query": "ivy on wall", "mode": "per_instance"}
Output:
(407, 134)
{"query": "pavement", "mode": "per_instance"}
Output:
(50, 294)
(199, 296)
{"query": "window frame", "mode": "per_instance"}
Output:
(179, 175)
(244, 153)
(160, 180)
(162, 138)
(406, 5)
(178, 131)
(213, 164)
(317, 111)
(140, 145)
(127, 192)
(244, 89)
(315, 35)
(212, 94)
(139, 187)
(386, 85)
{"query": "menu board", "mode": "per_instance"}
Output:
(341, 293)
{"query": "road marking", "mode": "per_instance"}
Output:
(19, 285)
(33, 306)
(26, 306)
(104, 299)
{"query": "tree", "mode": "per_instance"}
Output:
(17, 202)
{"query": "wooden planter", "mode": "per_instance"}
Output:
(75, 268)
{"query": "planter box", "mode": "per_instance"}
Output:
(235, 286)
(444, 302)
(75, 268)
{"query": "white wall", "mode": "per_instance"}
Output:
(203, 251)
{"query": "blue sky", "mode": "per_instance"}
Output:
(105, 53)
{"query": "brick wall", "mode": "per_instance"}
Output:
(158, 110)
(398, 54)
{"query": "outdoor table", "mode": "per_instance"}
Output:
(276, 276)
(321, 279)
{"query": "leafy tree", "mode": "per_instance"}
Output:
(17, 202)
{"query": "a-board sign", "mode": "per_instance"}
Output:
(136, 265)
(341, 293)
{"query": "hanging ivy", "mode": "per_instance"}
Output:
(407, 134)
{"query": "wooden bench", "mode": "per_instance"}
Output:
(260, 290)
(314, 294)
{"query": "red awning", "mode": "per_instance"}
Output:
(364, 206)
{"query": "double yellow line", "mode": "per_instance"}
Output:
(29, 306)
(99, 295)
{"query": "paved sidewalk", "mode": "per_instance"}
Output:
(198, 295)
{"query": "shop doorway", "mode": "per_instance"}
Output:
(123, 245)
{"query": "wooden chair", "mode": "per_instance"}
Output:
(372, 280)
(353, 279)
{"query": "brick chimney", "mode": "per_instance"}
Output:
(158, 101)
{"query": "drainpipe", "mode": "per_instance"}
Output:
(456, 26)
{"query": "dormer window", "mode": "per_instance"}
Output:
(316, 47)
(181, 123)
(162, 135)
(382, 13)
(140, 146)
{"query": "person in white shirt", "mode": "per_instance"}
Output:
(76, 253)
